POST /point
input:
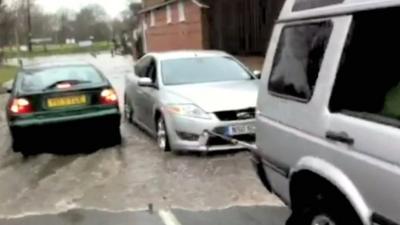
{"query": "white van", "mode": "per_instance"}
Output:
(328, 116)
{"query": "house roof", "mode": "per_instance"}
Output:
(199, 3)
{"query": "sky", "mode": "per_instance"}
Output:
(112, 7)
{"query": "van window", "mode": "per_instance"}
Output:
(368, 81)
(311, 4)
(298, 60)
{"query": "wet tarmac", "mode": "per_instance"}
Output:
(231, 216)
(129, 178)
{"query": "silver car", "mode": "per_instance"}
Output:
(176, 96)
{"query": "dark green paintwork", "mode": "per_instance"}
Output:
(58, 117)
(43, 115)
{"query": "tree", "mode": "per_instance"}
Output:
(43, 25)
(65, 29)
(7, 22)
(92, 21)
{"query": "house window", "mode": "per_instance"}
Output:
(169, 15)
(152, 19)
(181, 10)
(298, 60)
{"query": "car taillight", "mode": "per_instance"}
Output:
(109, 97)
(20, 106)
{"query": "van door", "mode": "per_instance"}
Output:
(289, 99)
(365, 110)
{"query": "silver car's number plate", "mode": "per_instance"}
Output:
(240, 129)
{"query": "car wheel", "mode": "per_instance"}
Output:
(328, 209)
(128, 111)
(162, 135)
(23, 149)
(17, 147)
(116, 137)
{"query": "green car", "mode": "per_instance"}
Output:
(58, 105)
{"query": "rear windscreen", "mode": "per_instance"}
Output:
(40, 79)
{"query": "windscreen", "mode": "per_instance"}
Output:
(35, 80)
(202, 70)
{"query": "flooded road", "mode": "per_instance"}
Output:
(133, 177)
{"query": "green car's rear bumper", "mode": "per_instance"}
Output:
(67, 131)
(66, 117)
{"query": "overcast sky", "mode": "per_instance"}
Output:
(112, 7)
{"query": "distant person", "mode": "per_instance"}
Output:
(114, 46)
(2, 56)
(137, 44)
(124, 44)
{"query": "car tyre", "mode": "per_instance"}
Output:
(19, 147)
(128, 111)
(327, 209)
(117, 137)
(162, 135)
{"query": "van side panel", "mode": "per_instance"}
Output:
(293, 130)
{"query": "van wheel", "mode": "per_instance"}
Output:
(326, 209)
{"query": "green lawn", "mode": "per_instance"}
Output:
(7, 73)
(55, 49)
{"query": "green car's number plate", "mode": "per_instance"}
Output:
(66, 101)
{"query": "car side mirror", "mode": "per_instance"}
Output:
(257, 73)
(145, 82)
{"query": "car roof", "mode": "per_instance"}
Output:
(187, 54)
(55, 65)
(312, 9)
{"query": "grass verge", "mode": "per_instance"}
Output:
(54, 49)
(7, 73)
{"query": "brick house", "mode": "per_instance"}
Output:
(236, 26)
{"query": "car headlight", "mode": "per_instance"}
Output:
(189, 110)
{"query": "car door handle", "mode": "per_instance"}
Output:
(340, 137)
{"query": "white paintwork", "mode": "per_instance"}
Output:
(169, 14)
(181, 11)
(292, 134)
(347, 7)
(168, 217)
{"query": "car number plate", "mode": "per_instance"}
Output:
(240, 129)
(66, 101)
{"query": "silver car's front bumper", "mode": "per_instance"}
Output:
(197, 126)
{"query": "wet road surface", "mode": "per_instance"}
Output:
(130, 178)
(231, 216)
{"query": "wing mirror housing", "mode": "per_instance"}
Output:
(145, 82)
(257, 73)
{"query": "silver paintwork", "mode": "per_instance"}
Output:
(211, 97)
(292, 134)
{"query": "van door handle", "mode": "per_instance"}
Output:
(340, 137)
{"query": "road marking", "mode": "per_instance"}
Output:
(168, 217)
